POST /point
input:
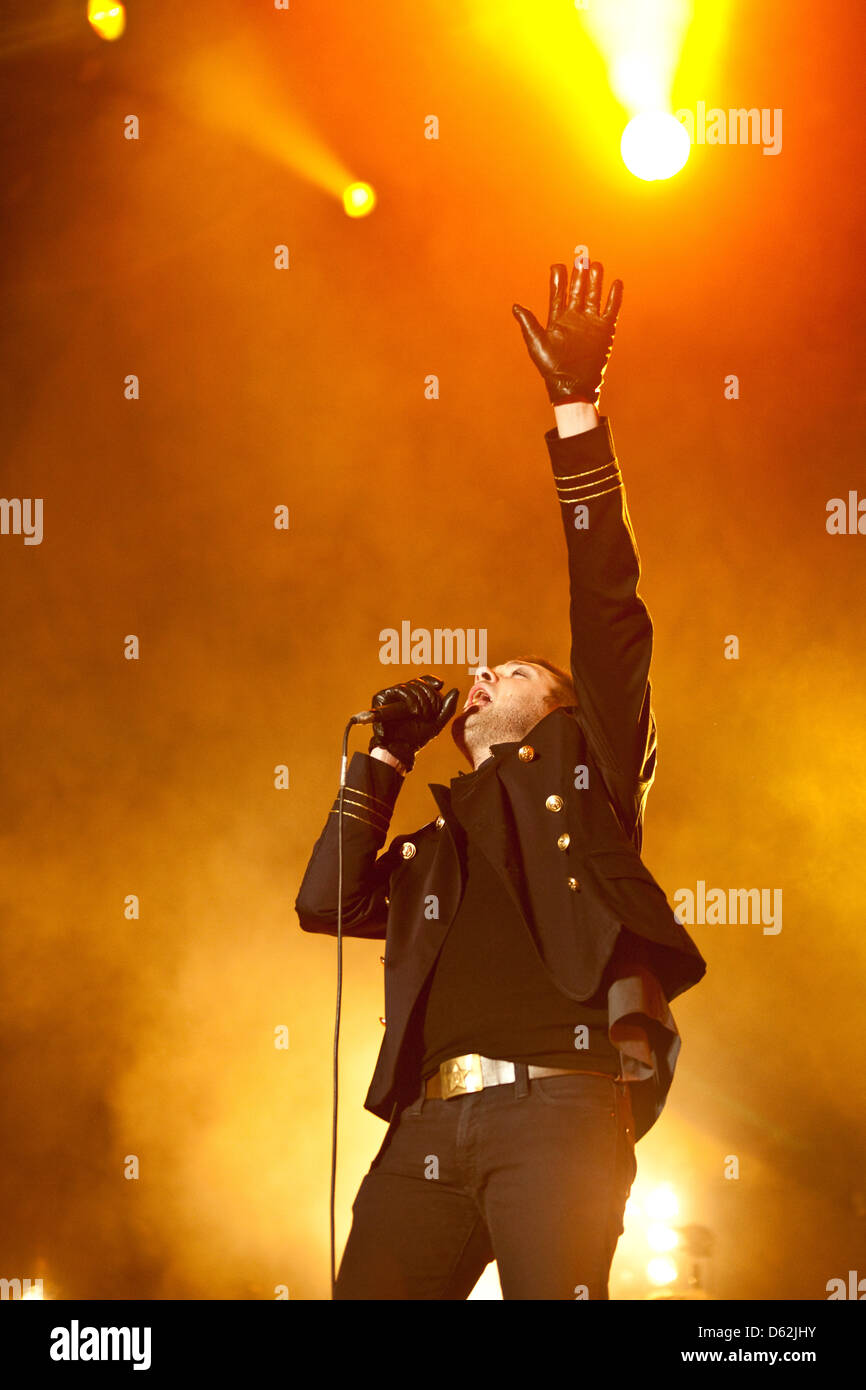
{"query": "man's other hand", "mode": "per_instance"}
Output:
(571, 353)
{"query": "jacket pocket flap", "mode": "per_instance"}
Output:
(619, 863)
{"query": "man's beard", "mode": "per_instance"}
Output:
(494, 724)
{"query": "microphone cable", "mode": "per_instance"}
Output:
(343, 764)
(386, 710)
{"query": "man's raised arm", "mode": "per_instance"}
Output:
(610, 627)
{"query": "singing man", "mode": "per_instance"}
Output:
(530, 956)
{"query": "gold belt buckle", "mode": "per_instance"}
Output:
(460, 1075)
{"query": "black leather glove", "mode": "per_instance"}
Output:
(572, 352)
(427, 713)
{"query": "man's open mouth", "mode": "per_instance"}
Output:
(478, 695)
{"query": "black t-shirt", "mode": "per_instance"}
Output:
(488, 991)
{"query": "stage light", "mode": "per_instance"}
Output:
(661, 1238)
(359, 199)
(662, 1203)
(639, 84)
(655, 145)
(661, 1270)
(655, 54)
(108, 21)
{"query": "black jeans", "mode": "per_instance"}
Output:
(534, 1174)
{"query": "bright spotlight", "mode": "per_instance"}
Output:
(661, 1238)
(654, 145)
(662, 1203)
(661, 1270)
(108, 21)
(359, 199)
(638, 81)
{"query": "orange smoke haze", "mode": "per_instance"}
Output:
(155, 1036)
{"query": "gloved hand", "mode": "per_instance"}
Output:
(572, 352)
(427, 713)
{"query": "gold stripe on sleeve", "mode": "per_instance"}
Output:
(370, 797)
(363, 819)
(564, 477)
(573, 501)
(371, 810)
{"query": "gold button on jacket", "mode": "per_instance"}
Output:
(554, 803)
(408, 850)
(564, 841)
(526, 753)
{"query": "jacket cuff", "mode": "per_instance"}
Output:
(371, 790)
(584, 465)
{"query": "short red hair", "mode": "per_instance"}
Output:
(564, 692)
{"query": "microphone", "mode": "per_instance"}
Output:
(394, 709)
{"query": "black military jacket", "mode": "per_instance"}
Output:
(562, 821)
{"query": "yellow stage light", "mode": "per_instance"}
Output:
(596, 66)
(641, 42)
(661, 1270)
(662, 1203)
(108, 21)
(651, 48)
(655, 145)
(661, 1238)
(639, 84)
(359, 199)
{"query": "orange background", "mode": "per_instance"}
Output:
(306, 388)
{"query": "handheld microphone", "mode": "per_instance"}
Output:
(395, 709)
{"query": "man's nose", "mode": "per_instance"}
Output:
(484, 673)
